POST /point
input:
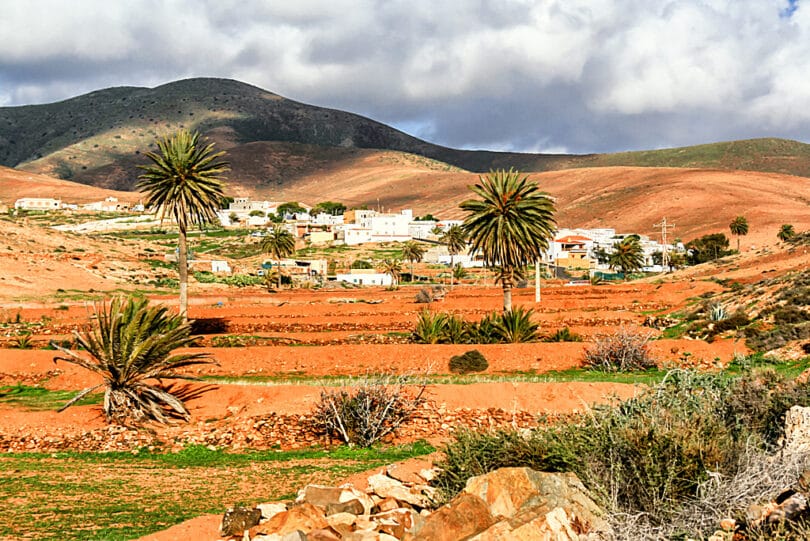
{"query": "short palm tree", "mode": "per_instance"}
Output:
(184, 183)
(130, 344)
(413, 252)
(739, 228)
(627, 256)
(509, 225)
(455, 238)
(392, 267)
(279, 243)
(786, 232)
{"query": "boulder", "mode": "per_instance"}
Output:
(465, 516)
(304, 517)
(271, 509)
(238, 519)
(386, 487)
(333, 498)
(508, 491)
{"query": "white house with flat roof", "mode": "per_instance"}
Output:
(38, 203)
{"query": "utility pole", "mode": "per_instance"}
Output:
(664, 228)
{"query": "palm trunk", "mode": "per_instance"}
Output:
(182, 269)
(507, 296)
(412, 277)
(279, 274)
(738, 244)
(451, 271)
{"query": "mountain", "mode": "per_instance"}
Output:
(99, 138)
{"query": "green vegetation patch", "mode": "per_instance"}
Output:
(40, 399)
(119, 496)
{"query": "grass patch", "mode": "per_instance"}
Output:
(41, 399)
(119, 496)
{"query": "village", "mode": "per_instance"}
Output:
(577, 255)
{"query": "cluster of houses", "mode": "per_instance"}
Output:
(571, 252)
(110, 204)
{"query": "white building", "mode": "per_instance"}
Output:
(110, 204)
(421, 229)
(365, 277)
(38, 203)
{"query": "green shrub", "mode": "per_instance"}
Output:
(623, 350)
(484, 332)
(640, 456)
(430, 327)
(468, 362)
(455, 330)
(650, 454)
(516, 326)
(563, 335)
(362, 264)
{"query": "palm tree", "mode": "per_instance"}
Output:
(510, 225)
(459, 272)
(739, 228)
(627, 256)
(455, 238)
(392, 267)
(279, 243)
(184, 183)
(786, 232)
(129, 344)
(413, 252)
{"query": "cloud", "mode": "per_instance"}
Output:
(580, 75)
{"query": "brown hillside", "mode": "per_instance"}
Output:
(698, 201)
(15, 184)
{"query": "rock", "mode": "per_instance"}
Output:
(464, 516)
(797, 430)
(399, 522)
(319, 495)
(408, 472)
(352, 506)
(388, 504)
(292, 536)
(324, 534)
(271, 509)
(333, 497)
(304, 517)
(343, 523)
(508, 491)
(238, 519)
(386, 487)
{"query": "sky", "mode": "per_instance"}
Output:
(571, 76)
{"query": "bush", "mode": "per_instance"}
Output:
(563, 335)
(468, 362)
(441, 328)
(656, 454)
(361, 264)
(515, 326)
(430, 327)
(363, 413)
(624, 350)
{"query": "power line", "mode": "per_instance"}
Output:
(664, 228)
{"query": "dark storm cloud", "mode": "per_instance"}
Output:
(542, 75)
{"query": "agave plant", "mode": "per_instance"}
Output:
(456, 330)
(516, 326)
(130, 345)
(717, 312)
(430, 328)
